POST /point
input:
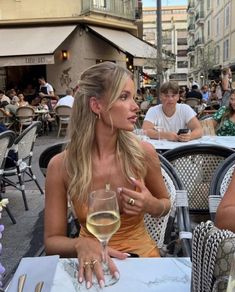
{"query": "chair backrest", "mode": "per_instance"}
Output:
(24, 143)
(63, 111)
(212, 255)
(48, 153)
(6, 141)
(220, 182)
(161, 229)
(192, 101)
(208, 127)
(195, 164)
(24, 112)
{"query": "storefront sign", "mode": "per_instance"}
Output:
(26, 60)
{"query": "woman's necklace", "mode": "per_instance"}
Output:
(108, 184)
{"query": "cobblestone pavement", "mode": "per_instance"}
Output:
(25, 238)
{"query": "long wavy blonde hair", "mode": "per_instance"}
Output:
(105, 80)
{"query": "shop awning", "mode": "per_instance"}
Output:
(31, 45)
(127, 43)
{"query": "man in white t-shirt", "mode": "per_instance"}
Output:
(171, 117)
(68, 99)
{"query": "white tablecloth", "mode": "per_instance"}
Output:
(227, 141)
(136, 274)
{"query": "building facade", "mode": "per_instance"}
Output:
(174, 39)
(211, 30)
(60, 39)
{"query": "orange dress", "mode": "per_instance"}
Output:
(130, 237)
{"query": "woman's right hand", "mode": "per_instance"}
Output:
(89, 254)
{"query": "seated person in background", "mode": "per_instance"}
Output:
(104, 153)
(4, 100)
(21, 101)
(205, 93)
(172, 116)
(225, 214)
(194, 93)
(224, 118)
(68, 99)
(13, 97)
(29, 93)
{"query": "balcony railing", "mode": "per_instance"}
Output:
(125, 9)
(200, 16)
(191, 27)
(199, 41)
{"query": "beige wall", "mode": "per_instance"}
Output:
(28, 9)
(84, 49)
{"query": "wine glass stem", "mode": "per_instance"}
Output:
(104, 244)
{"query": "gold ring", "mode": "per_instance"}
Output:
(131, 202)
(86, 264)
(93, 262)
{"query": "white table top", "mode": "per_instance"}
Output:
(136, 274)
(227, 141)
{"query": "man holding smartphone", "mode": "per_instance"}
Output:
(178, 120)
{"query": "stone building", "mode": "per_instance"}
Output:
(59, 39)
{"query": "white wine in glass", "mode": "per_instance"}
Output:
(103, 220)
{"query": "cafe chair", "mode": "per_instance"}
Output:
(212, 255)
(73, 226)
(24, 116)
(6, 141)
(172, 232)
(220, 182)
(22, 166)
(195, 164)
(193, 102)
(207, 127)
(63, 113)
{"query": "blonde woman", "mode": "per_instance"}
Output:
(104, 151)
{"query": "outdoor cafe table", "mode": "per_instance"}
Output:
(136, 274)
(226, 141)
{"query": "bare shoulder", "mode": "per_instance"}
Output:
(149, 149)
(56, 165)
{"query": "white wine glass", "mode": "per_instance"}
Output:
(159, 128)
(103, 220)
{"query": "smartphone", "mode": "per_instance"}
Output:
(133, 255)
(182, 131)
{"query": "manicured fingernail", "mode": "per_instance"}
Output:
(88, 285)
(80, 280)
(101, 282)
(116, 275)
(119, 190)
(132, 178)
(127, 254)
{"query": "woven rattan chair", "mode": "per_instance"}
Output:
(6, 141)
(24, 116)
(193, 102)
(23, 147)
(212, 255)
(63, 113)
(220, 182)
(195, 164)
(176, 222)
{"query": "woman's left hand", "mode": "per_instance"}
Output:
(135, 202)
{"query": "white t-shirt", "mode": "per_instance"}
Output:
(183, 114)
(66, 100)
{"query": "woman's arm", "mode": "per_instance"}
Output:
(55, 230)
(225, 215)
